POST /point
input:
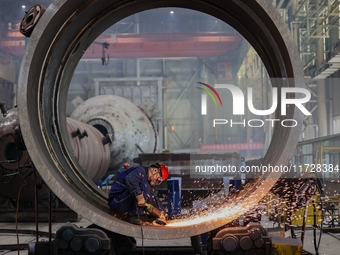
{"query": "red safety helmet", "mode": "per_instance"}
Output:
(164, 171)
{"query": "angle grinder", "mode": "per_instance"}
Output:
(157, 213)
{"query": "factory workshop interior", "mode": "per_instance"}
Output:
(169, 127)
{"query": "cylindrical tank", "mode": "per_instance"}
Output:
(47, 67)
(128, 126)
(89, 146)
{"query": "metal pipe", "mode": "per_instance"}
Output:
(57, 43)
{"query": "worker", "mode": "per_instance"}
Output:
(131, 190)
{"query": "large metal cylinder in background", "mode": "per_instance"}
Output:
(88, 146)
(104, 131)
(57, 43)
(131, 131)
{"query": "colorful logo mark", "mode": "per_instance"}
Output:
(209, 93)
(204, 97)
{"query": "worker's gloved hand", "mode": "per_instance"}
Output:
(140, 200)
(163, 216)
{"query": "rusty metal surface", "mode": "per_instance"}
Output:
(63, 33)
(31, 19)
(125, 123)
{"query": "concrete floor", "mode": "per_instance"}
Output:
(330, 245)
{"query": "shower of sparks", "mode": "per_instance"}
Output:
(227, 212)
(228, 209)
(219, 209)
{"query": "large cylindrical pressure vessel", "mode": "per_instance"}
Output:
(128, 126)
(51, 57)
(90, 148)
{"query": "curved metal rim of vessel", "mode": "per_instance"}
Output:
(66, 29)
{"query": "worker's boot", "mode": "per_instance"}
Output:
(133, 219)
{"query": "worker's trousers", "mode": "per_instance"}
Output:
(126, 201)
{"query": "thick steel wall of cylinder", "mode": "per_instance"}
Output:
(93, 156)
(125, 124)
(57, 43)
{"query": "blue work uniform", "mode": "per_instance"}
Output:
(129, 184)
